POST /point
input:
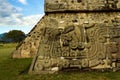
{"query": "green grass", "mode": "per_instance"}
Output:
(6, 50)
(17, 69)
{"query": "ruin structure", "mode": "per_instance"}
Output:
(74, 33)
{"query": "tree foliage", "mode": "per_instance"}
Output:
(14, 36)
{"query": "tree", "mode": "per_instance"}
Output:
(15, 36)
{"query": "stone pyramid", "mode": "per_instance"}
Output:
(29, 46)
(74, 34)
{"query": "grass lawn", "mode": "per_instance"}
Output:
(16, 69)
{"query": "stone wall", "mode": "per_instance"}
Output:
(28, 47)
(83, 40)
(81, 5)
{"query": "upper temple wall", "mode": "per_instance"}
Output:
(81, 5)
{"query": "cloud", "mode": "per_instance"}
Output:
(31, 20)
(27, 20)
(23, 1)
(11, 16)
(19, 20)
(6, 11)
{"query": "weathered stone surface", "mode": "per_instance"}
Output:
(81, 5)
(28, 47)
(79, 40)
(75, 33)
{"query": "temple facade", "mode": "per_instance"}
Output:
(74, 33)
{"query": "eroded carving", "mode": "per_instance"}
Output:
(75, 33)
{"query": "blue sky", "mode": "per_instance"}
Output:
(20, 14)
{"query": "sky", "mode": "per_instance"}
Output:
(20, 14)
